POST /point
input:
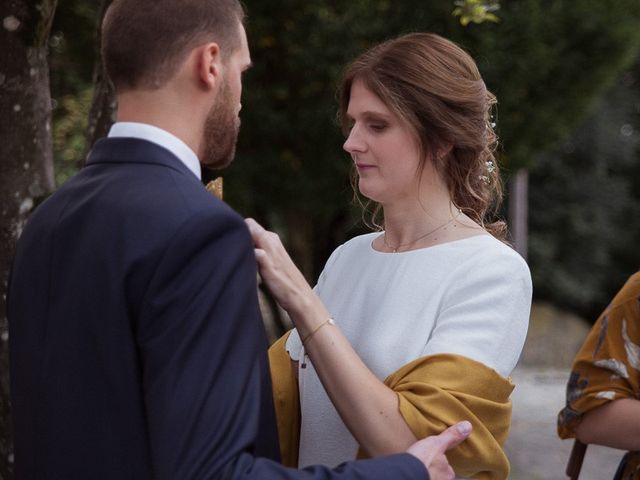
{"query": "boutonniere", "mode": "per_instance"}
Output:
(215, 187)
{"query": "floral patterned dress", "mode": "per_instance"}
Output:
(607, 366)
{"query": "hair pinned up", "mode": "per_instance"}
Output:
(435, 87)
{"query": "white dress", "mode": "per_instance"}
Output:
(470, 297)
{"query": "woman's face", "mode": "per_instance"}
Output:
(384, 149)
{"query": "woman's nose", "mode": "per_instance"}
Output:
(354, 142)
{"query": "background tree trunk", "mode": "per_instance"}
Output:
(26, 162)
(103, 106)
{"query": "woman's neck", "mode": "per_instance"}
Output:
(431, 219)
(404, 223)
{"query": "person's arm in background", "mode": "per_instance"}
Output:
(615, 424)
(602, 393)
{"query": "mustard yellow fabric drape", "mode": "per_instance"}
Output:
(286, 400)
(607, 367)
(434, 392)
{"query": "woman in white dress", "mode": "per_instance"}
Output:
(415, 327)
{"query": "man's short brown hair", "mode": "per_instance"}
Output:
(145, 41)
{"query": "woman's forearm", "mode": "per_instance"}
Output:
(615, 424)
(366, 405)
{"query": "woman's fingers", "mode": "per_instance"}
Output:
(256, 230)
(272, 258)
(253, 226)
(287, 284)
(264, 239)
(285, 281)
(262, 258)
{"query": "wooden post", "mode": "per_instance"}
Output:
(575, 460)
(519, 211)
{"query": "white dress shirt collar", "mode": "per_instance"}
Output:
(160, 137)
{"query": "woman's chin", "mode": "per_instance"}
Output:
(366, 191)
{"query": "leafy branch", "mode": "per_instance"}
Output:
(476, 11)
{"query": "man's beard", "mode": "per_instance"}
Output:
(221, 132)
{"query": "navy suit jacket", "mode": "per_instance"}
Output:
(137, 347)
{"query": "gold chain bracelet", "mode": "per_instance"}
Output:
(326, 322)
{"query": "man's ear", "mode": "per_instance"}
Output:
(209, 65)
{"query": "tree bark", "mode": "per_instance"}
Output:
(26, 159)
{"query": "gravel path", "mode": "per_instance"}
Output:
(533, 447)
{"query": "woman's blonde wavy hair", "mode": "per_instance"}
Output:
(435, 87)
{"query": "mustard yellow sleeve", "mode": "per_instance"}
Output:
(607, 366)
(437, 391)
(286, 400)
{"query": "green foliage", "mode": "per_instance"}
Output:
(547, 65)
(69, 132)
(290, 164)
(71, 59)
(476, 11)
(72, 45)
(584, 204)
(547, 61)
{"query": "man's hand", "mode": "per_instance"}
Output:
(430, 450)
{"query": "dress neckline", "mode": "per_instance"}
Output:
(423, 249)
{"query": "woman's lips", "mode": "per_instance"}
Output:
(362, 167)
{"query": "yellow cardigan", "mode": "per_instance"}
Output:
(434, 392)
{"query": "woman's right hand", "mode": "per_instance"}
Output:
(286, 283)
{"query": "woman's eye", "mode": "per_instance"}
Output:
(377, 127)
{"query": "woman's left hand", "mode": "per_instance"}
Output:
(285, 281)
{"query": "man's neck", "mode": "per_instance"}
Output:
(160, 111)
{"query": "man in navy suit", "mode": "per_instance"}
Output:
(137, 349)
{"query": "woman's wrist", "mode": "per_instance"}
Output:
(308, 314)
(307, 339)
